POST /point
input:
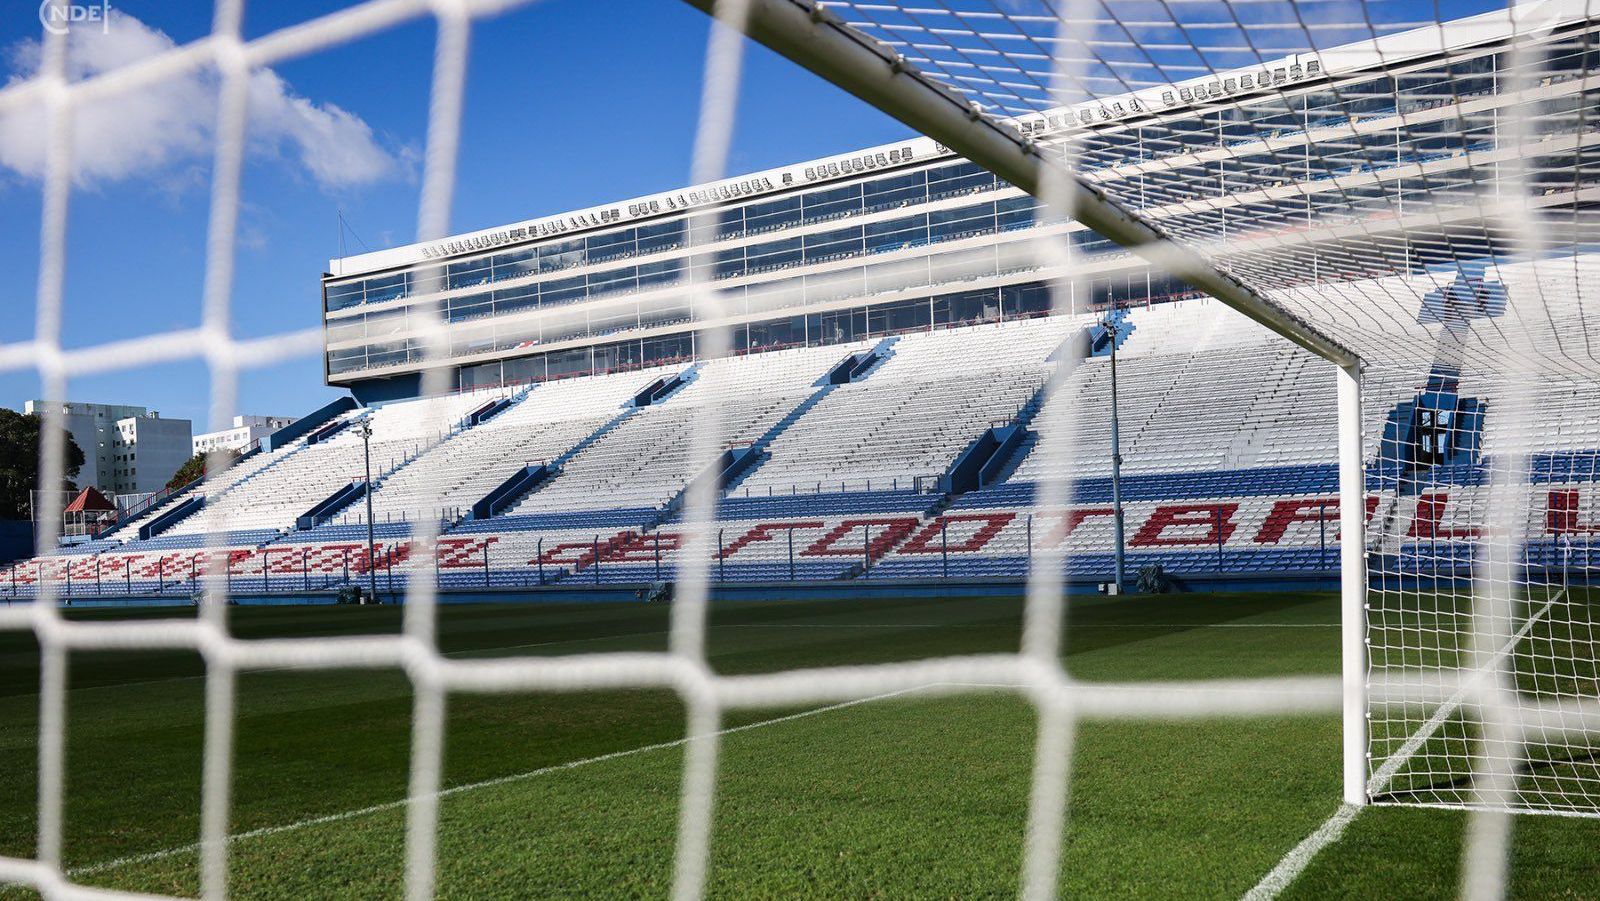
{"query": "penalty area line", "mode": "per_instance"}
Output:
(1301, 855)
(266, 831)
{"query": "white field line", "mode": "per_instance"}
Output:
(266, 831)
(1385, 774)
(1296, 860)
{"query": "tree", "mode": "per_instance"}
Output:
(195, 465)
(19, 462)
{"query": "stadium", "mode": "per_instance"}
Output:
(1133, 486)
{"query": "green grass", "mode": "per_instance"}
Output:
(1556, 659)
(907, 797)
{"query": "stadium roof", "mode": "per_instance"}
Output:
(1421, 198)
(1352, 229)
(1000, 96)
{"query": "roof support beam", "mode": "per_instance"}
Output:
(816, 39)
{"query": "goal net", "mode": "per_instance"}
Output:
(1482, 623)
(1404, 196)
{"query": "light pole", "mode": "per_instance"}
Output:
(365, 427)
(1110, 325)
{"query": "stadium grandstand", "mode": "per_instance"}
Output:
(892, 343)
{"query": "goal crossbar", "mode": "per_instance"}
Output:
(805, 32)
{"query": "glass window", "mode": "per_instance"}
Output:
(780, 213)
(775, 295)
(615, 357)
(832, 203)
(484, 375)
(616, 280)
(476, 343)
(510, 300)
(961, 178)
(347, 329)
(470, 307)
(468, 273)
(562, 290)
(610, 319)
(427, 280)
(896, 233)
(341, 297)
(895, 191)
(967, 308)
(385, 288)
(612, 246)
(527, 369)
(729, 263)
(515, 264)
(565, 255)
(348, 360)
(660, 273)
(946, 225)
(663, 311)
(833, 245)
(1016, 212)
(775, 254)
(660, 236)
(837, 326)
(1031, 299)
(889, 319)
(782, 333)
(671, 349)
(383, 324)
(730, 222)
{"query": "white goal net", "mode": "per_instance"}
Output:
(1407, 197)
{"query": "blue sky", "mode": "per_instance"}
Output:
(569, 103)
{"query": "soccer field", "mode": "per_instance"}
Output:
(896, 797)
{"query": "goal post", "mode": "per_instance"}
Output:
(1352, 582)
(809, 34)
(1360, 278)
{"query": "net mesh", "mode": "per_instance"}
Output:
(1434, 526)
(1413, 190)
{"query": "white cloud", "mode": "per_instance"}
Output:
(153, 129)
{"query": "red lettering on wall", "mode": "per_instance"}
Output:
(1286, 513)
(1216, 518)
(463, 553)
(1562, 512)
(887, 531)
(582, 554)
(1430, 513)
(1066, 522)
(642, 548)
(929, 540)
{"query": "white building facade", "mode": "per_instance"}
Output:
(126, 449)
(246, 430)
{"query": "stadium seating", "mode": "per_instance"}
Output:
(296, 479)
(910, 417)
(1227, 434)
(647, 459)
(539, 427)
